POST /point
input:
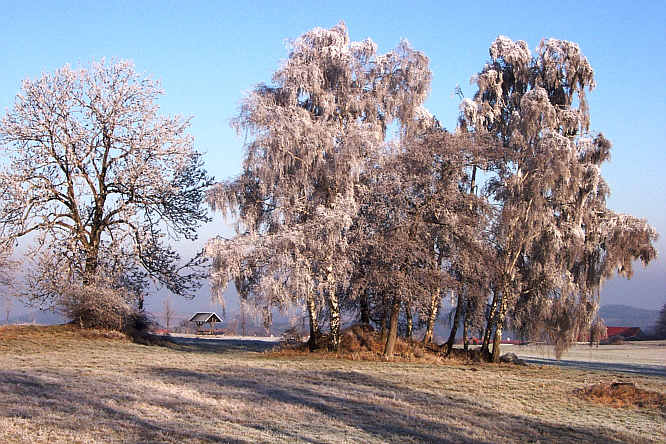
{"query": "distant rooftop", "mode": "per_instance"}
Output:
(205, 317)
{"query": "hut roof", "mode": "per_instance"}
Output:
(205, 317)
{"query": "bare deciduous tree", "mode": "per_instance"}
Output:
(101, 178)
(168, 312)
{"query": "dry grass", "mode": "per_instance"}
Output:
(623, 394)
(62, 385)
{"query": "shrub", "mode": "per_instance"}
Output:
(97, 304)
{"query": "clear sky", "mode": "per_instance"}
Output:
(207, 54)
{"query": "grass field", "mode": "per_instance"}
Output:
(58, 384)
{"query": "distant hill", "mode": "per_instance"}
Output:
(626, 316)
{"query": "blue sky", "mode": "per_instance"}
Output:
(207, 54)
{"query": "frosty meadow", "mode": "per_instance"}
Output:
(355, 205)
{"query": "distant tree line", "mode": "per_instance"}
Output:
(353, 199)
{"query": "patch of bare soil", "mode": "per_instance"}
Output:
(622, 394)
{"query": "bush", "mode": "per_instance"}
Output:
(98, 305)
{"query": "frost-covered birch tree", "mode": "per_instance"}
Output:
(309, 134)
(419, 233)
(555, 239)
(101, 181)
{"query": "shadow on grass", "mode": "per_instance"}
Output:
(311, 406)
(637, 369)
(382, 409)
(34, 398)
(220, 346)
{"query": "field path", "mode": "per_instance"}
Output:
(637, 369)
(647, 358)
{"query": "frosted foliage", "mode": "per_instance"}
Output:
(309, 136)
(419, 231)
(556, 239)
(514, 53)
(92, 168)
(8, 268)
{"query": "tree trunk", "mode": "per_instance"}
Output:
(242, 313)
(383, 333)
(432, 316)
(498, 329)
(466, 319)
(268, 320)
(393, 328)
(466, 322)
(365, 308)
(334, 308)
(456, 321)
(384, 320)
(410, 321)
(489, 325)
(91, 265)
(314, 324)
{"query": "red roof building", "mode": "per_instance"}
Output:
(622, 332)
(625, 332)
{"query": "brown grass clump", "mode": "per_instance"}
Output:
(473, 355)
(622, 394)
(360, 342)
(360, 337)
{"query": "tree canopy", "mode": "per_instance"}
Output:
(101, 180)
(353, 201)
(507, 214)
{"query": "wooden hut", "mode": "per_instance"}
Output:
(203, 318)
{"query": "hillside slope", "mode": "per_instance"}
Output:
(626, 316)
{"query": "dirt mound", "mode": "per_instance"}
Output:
(357, 342)
(363, 342)
(53, 332)
(364, 338)
(37, 338)
(622, 394)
